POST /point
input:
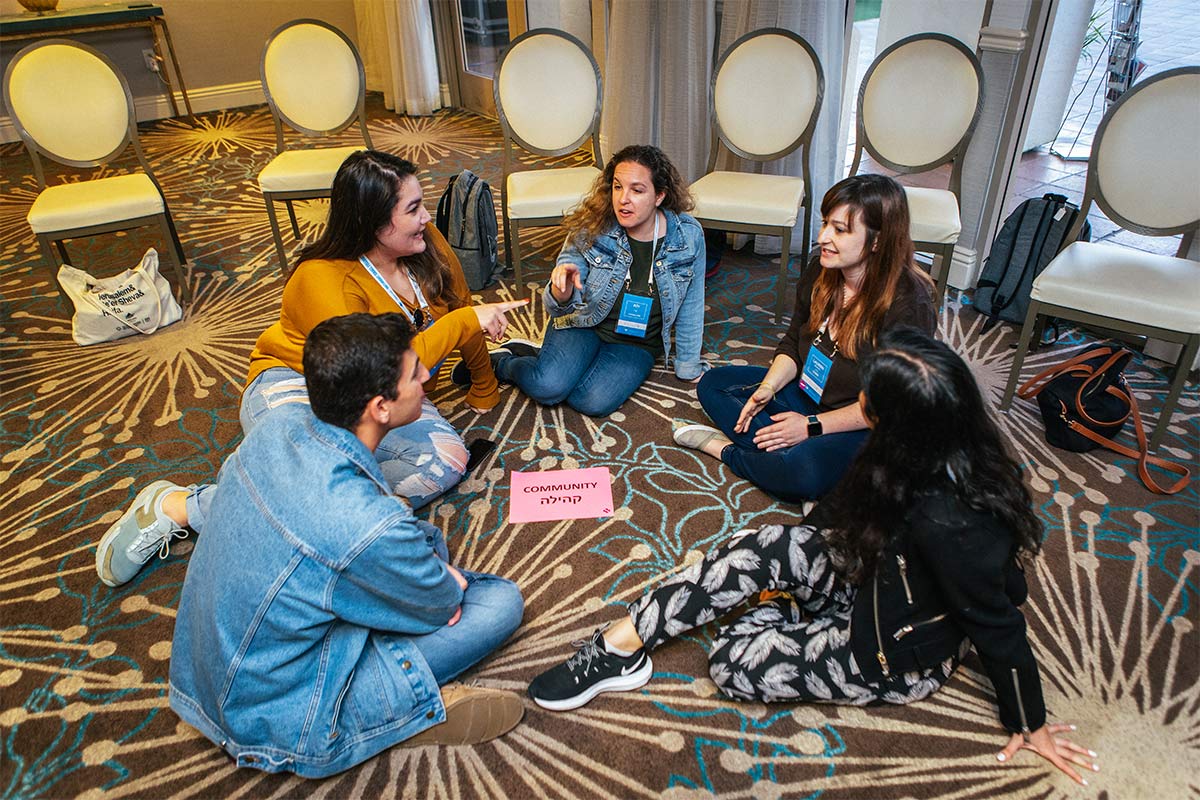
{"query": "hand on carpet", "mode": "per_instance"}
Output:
(1058, 750)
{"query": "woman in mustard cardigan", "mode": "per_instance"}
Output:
(378, 254)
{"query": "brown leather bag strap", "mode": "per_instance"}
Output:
(1034, 386)
(1142, 453)
(1087, 386)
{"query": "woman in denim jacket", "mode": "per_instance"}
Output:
(630, 276)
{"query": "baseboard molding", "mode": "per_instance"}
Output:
(206, 98)
(964, 268)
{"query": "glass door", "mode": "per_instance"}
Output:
(482, 29)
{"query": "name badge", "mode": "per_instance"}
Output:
(635, 314)
(815, 374)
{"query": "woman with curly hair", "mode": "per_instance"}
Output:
(793, 428)
(629, 279)
(915, 556)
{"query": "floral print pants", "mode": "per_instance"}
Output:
(795, 647)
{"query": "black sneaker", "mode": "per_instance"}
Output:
(522, 348)
(460, 376)
(589, 672)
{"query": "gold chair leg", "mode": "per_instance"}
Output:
(48, 254)
(1014, 374)
(508, 255)
(292, 216)
(514, 249)
(1182, 367)
(283, 262)
(942, 274)
(781, 289)
(185, 292)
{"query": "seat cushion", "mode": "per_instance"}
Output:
(748, 198)
(303, 170)
(96, 202)
(1123, 283)
(548, 192)
(933, 214)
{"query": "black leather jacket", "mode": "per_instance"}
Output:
(947, 574)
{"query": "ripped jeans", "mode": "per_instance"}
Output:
(421, 460)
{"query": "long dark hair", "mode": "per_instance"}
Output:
(931, 431)
(884, 209)
(365, 191)
(594, 214)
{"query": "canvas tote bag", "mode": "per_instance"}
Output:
(139, 300)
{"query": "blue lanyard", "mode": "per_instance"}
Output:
(421, 303)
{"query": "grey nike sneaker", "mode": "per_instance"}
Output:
(141, 531)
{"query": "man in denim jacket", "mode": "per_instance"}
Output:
(319, 617)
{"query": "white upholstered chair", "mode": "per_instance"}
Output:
(763, 104)
(71, 104)
(917, 108)
(313, 79)
(1144, 174)
(547, 92)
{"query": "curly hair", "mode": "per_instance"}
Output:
(883, 207)
(931, 432)
(364, 194)
(594, 215)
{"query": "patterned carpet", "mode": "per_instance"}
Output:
(83, 669)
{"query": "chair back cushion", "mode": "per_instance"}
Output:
(312, 76)
(1146, 161)
(919, 99)
(70, 100)
(547, 91)
(766, 93)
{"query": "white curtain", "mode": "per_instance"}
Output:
(395, 39)
(822, 24)
(658, 64)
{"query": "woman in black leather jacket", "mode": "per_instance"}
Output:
(915, 556)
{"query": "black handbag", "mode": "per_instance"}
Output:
(1085, 403)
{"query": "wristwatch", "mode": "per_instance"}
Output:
(814, 426)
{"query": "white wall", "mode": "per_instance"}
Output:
(219, 44)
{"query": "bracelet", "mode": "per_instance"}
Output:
(769, 386)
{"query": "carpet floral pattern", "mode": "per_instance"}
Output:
(83, 668)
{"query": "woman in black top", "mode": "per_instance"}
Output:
(913, 557)
(793, 429)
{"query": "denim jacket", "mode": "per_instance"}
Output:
(678, 277)
(282, 653)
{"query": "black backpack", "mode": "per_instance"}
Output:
(466, 216)
(1031, 236)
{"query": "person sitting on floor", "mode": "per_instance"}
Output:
(319, 617)
(378, 253)
(629, 279)
(794, 428)
(914, 556)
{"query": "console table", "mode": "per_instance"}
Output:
(109, 17)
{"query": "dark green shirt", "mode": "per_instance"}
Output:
(639, 280)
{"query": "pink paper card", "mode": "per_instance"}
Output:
(561, 494)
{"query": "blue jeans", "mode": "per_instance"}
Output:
(421, 460)
(491, 612)
(592, 376)
(804, 471)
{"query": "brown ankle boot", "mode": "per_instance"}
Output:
(473, 714)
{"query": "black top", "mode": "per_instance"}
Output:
(913, 306)
(639, 284)
(949, 572)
